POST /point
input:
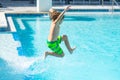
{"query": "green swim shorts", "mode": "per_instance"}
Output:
(54, 45)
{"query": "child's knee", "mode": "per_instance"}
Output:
(64, 37)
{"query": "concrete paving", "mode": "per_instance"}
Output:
(17, 6)
(26, 6)
(3, 22)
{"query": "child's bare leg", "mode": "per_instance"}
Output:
(52, 54)
(65, 39)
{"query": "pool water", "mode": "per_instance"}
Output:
(97, 56)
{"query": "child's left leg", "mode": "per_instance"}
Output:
(65, 39)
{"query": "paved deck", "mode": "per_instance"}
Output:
(17, 6)
(26, 7)
(3, 22)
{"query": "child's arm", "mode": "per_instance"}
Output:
(61, 15)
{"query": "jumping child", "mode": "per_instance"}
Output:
(53, 38)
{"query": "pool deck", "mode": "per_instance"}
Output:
(3, 21)
(25, 7)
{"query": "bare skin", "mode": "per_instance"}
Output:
(54, 33)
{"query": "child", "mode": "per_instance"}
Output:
(53, 38)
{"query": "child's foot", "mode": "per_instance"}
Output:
(71, 51)
(45, 55)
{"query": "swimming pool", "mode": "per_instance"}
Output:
(97, 40)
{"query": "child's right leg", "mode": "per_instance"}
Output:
(53, 54)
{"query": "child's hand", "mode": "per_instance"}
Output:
(67, 8)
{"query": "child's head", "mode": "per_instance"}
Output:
(54, 14)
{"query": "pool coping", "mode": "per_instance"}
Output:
(11, 24)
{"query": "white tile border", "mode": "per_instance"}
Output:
(21, 24)
(11, 24)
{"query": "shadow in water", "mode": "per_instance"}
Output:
(79, 18)
(25, 36)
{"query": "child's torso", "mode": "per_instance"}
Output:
(54, 32)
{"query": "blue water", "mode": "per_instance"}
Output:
(97, 56)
